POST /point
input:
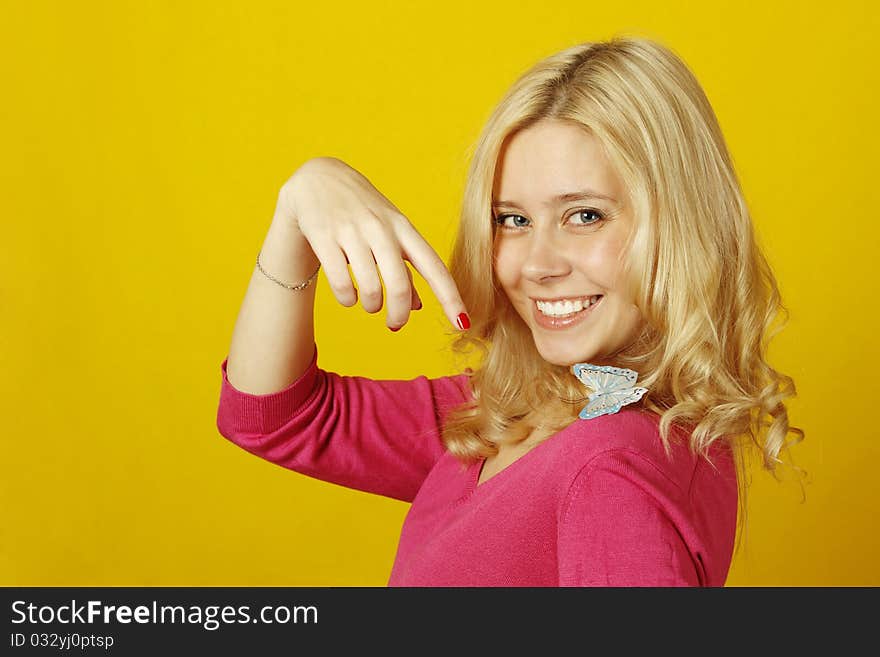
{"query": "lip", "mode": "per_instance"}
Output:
(570, 298)
(555, 323)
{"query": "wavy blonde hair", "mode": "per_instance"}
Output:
(708, 297)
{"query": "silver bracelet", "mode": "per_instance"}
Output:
(299, 286)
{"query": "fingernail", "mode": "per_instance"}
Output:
(394, 329)
(419, 307)
(463, 321)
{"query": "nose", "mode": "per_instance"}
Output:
(545, 257)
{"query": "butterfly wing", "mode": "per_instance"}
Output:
(604, 379)
(611, 388)
(612, 402)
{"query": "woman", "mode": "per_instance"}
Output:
(622, 334)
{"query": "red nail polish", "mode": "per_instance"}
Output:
(394, 329)
(463, 321)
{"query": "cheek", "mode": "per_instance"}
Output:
(506, 265)
(604, 261)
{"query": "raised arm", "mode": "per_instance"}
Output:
(328, 213)
(275, 402)
(274, 335)
(378, 436)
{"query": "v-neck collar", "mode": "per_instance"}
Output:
(476, 468)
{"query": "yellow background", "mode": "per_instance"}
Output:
(143, 147)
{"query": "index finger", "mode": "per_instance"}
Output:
(432, 268)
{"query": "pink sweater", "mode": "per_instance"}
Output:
(597, 504)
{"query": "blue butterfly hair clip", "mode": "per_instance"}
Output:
(613, 388)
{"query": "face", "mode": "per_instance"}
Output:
(560, 259)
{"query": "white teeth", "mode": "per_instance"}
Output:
(567, 307)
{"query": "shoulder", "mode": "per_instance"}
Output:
(626, 444)
(642, 516)
(632, 431)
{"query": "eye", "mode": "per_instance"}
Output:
(593, 217)
(502, 219)
(589, 218)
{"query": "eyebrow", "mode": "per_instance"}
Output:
(561, 198)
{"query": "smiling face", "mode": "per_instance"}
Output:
(551, 246)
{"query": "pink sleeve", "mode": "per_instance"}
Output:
(617, 527)
(378, 436)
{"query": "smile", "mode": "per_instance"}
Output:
(563, 314)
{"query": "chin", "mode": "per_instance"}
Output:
(566, 357)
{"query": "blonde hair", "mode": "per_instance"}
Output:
(705, 290)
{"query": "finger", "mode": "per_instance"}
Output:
(363, 266)
(432, 268)
(416, 299)
(395, 275)
(335, 270)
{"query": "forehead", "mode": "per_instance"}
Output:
(549, 158)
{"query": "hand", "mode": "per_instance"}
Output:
(346, 220)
